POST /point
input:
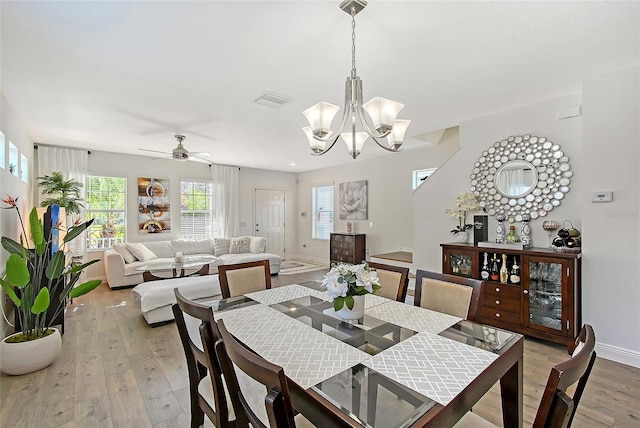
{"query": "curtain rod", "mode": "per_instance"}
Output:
(35, 146)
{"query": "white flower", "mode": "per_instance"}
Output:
(343, 279)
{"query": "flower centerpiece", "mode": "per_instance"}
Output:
(464, 202)
(33, 273)
(347, 284)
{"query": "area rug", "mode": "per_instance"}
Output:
(294, 267)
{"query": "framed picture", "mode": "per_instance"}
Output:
(154, 209)
(353, 200)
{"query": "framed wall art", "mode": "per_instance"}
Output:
(154, 213)
(353, 200)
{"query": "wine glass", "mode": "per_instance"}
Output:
(550, 226)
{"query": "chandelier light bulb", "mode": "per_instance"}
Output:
(317, 146)
(354, 142)
(383, 113)
(396, 136)
(320, 117)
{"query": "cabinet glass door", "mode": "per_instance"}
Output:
(460, 264)
(545, 294)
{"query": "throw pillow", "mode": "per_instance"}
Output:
(141, 252)
(239, 245)
(258, 244)
(124, 252)
(221, 246)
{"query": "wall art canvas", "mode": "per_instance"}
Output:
(353, 200)
(154, 214)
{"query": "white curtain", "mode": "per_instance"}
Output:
(225, 200)
(72, 164)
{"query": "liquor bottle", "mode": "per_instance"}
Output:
(514, 276)
(484, 273)
(504, 273)
(494, 273)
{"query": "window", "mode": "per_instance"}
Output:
(196, 210)
(106, 203)
(24, 168)
(322, 211)
(421, 175)
(2, 150)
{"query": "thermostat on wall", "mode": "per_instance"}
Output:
(602, 197)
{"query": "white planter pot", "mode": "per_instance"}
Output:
(26, 357)
(352, 314)
(463, 237)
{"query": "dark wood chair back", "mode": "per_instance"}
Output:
(393, 279)
(241, 278)
(557, 408)
(237, 361)
(200, 361)
(450, 294)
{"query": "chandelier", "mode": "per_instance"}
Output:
(379, 122)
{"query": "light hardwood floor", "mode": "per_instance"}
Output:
(116, 371)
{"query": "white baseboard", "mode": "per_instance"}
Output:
(619, 355)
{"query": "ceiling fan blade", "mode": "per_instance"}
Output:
(201, 160)
(154, 151)
(200, 154)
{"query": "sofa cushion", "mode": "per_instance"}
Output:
(221, 246)
(239, 245)
(161, 248)
(257, 244)
(155, 294)
(141, 252)
(230, 259)
(204, 246)
(124, 252)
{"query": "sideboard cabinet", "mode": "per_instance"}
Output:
(347, 247)
(545, 303)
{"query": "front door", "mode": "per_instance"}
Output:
(269, 219)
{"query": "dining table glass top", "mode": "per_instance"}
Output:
(385, 370)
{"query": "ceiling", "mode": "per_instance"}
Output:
(118, 76)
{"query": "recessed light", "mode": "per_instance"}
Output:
(292, 164)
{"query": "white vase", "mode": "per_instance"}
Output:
(27, 357)
(462, 236)
(352, 314)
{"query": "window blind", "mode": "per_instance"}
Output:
(322, 211)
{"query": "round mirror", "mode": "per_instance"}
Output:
(523, 175)
(516, 178)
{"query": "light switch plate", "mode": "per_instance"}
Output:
(602, 197)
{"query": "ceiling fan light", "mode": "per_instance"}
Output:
(316, 145)
(354, 142)
(396, 136)
(320, 117)
(382, 112)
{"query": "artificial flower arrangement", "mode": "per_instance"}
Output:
(464, 202)
(32, 275)
(344, 281)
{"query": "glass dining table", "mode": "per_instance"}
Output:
(398, 366)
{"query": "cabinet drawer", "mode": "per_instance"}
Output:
(501, 291)
(499, 314)
(501, 303)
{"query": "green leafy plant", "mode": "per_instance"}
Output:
(65, 193)
(32, 275)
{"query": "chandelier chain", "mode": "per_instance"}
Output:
(353, 42)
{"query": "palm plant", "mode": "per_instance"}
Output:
(65, 193)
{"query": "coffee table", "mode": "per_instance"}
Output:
(200, 263)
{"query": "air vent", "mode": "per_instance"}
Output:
(269, 99)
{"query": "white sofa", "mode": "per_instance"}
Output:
(122, 273)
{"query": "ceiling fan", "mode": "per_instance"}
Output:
(182, 154)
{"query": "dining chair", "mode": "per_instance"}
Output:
(241, 278)
(557, 406)
(258, 389)
(207, 388)
(393, 279)
(450, 294)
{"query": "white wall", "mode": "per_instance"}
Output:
(611, 117)
(389, 196)
(431, 225)
(10, 185)
(252, 179)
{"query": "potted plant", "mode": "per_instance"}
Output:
(64, 193)
(12, 167)
(347, 285)
(464, 202)
(32, 275)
